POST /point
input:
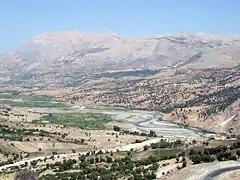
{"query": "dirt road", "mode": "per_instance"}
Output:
(136, 146)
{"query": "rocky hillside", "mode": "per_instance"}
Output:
(204, 98)
(60, 57)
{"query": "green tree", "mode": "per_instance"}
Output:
(238, 152)
(108, 159)
(92, 161)
(196, 158)
(33, 163)
(116, 128)
(184, 163)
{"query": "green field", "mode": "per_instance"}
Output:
(81, 120)
(157, 153)
(13, 136)
(19, 99)
(166, 152)
(71, 119)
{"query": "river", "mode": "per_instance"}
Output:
(144, 121)
(168, 129)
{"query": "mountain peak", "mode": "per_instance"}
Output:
(62, 34)
(76, 51)
(76, 34)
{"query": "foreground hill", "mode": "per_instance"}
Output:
(64, 56)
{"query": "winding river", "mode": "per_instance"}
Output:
(167, 129)
(144, 121)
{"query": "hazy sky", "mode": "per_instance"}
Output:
(21, 20)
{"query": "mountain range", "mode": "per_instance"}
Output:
(66, 55)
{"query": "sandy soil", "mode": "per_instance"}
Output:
(34, 146)
(93, 138)
(192, 117)
(7, 147)
(54, 91)
(121, 125)
(167, 170)
(21, 115)
(6, 176)
(231, 176)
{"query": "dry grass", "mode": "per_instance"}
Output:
(6, 176)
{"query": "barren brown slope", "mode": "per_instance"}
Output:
(67, 55)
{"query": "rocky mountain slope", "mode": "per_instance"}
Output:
(203, 98)
(63, 56)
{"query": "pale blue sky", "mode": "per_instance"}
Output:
(22, 20)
